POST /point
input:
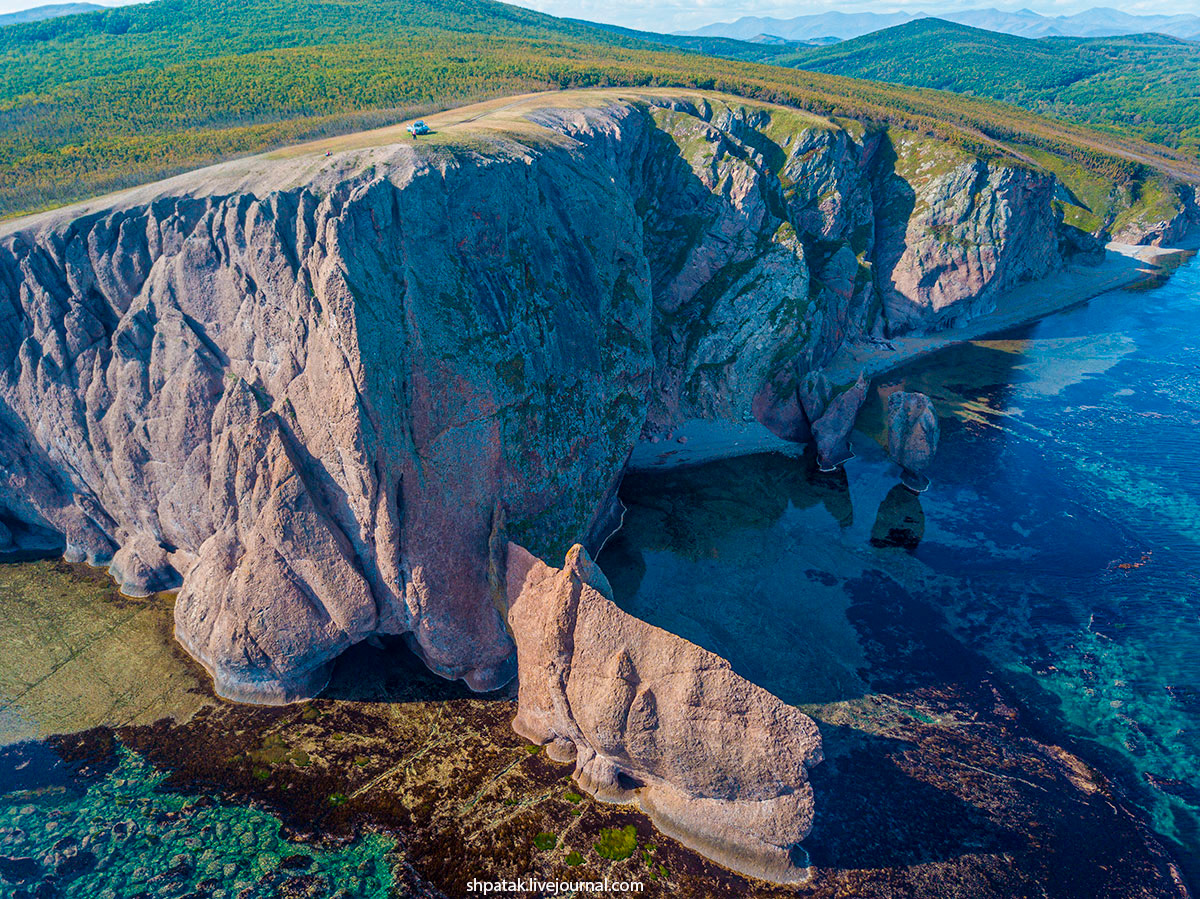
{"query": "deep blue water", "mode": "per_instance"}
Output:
(1060, 539)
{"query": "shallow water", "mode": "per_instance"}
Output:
(116, 834)
(76, 654)
(98, 821)
(1060, 539)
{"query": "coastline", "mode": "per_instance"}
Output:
(927, 778)
(1124, 266)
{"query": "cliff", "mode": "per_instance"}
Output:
(320, 391)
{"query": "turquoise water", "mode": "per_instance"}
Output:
(116, 834)
(1060, 539)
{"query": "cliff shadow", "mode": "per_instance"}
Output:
(384, 670)
(877, 805)
(894, 201)
(714, 554)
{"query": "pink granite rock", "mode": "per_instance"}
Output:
(651, 719)
(912, 435)
(831, 431)
(318, 397)
(954, 231)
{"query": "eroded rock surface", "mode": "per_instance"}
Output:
(912, 435)
(1170, 221)
(648, 717)
(831, 431)
(320, 404)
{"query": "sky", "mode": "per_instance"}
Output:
(675, 15)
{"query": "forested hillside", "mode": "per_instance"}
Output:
(1147, 85)
(94, 102)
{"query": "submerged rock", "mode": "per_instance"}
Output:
(6, 537)
(649, 718)
(832, 430)
(900, 521)
(912, 433)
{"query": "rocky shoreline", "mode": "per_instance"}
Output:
(1126, 267)
(939, 784)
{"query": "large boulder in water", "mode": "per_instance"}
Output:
(6, 537)
(649, 718)
(912, 431)
(832, 430)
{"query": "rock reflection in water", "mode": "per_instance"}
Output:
(756, 591)
(900, 522)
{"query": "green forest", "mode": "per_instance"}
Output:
(95, 102)
(1145, 85)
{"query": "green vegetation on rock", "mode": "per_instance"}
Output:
(617, 844)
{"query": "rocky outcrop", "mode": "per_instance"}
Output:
(1163, 215)
(912, 436)
(649, 718)
(1081, 247)
(321, 403)
(955, 232)
(831, 430)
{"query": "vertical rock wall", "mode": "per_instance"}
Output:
(322, 411)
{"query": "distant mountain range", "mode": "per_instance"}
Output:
(1097, 22)
(53, 11)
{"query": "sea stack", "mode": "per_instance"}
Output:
(650, 718)
(912, 431)
(832, 430)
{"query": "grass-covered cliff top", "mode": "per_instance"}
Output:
(97, 102)
(501, 127)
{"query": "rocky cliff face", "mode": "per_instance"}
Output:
(1166, 215)
(323, 410)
